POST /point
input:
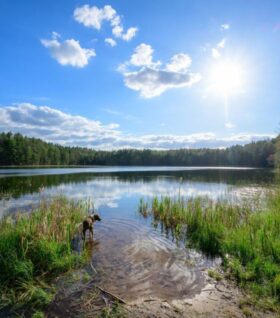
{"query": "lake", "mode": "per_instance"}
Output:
(132, 258)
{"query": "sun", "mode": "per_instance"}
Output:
(226, 77)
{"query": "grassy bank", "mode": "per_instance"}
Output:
(36, 247)
(247, 239)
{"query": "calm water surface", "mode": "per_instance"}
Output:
(134, 260)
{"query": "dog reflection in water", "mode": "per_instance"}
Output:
(90, 247)
(88, 225)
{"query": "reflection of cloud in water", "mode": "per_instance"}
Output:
(108, 191)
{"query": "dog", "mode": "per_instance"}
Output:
(88, 224)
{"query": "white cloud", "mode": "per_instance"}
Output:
(122, 68)
(142, 56)
(68, 52)
(55, 126)
(179, 62)
(225, 26)
(216, 51)
(56, 35)
(222, 44)
(111, 42)
(130, 34)
(94, 17)
(152, 82)
(151, 78)
(117, 31)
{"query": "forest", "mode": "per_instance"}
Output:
(19, 150)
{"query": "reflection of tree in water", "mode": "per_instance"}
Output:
(17, 186)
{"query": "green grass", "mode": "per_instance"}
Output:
(247, 238)
(35, 248)
(38, 314)
(215, 275)
(114, 311)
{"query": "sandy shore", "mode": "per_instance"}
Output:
(77, 298)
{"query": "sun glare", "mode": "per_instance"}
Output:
(226, 77)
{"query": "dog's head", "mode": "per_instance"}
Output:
(95, 217)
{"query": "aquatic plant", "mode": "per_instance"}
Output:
(246, 237)
(36, 247)
(143, 207)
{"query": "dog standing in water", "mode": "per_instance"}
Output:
(88, 224)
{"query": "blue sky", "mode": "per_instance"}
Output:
(144, 74)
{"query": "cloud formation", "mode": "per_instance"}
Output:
(153, 82)
(151, 78)
(68, 52)
(216, 51)
(55, 126)
(179, 63)
(111, 42)
(93, 17)
(142, 56)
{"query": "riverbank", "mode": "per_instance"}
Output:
(78, 296)
(35, 248)
(246, 237)
(43, 275)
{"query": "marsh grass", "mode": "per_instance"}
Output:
(143, 207)
(114, 311)
(35, 248)
(247, 239)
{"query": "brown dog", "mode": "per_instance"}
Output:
(88, 224)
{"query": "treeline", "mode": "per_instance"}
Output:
(16, 149)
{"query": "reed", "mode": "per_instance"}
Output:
(36, 247)
(247, 238)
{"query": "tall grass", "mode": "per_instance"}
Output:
(247, 239)
(36, 247)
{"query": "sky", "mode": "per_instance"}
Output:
(155, 74)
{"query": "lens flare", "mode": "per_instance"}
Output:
(226, 77)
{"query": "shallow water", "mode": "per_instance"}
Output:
(133, 260)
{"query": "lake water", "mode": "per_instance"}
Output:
(134, 260)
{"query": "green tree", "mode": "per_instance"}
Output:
(19, 150)
(277, 153)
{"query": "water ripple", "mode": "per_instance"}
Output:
(134, 261)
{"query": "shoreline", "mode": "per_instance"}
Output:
(221, 299)
(134, 166)
(75, 289)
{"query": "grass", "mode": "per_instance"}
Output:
(35, 248)
(114, 311)
(215, 275)
(247, 238)
(38, 314)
